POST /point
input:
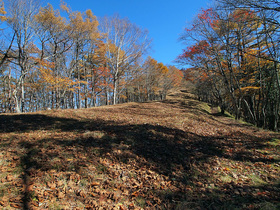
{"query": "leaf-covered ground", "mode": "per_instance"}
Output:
(176, 154)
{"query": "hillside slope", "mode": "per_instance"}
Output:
(175, 154)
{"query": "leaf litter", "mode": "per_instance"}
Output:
(173, 154)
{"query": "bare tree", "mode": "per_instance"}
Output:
(125, 43)
(20, 19)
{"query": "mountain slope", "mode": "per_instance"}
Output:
(175, 154)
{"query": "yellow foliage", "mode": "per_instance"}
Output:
(89, 14)
(50, 19)
(3, 13)
(123, 96)
(52, 81)
(253, 60)
(250, 89)
(84, 25)
(113, 49)
(163, 69)
(64, 7)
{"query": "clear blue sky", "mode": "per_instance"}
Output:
(164, 19)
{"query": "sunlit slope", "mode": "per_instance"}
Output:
(175, 154)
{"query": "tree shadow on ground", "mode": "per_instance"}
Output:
(186, 159)
(227, 196)
(180, 156)
(31, 122)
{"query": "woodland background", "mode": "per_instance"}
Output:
(59, 59)
(233, 50)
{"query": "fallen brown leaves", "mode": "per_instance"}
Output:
(158, 155)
